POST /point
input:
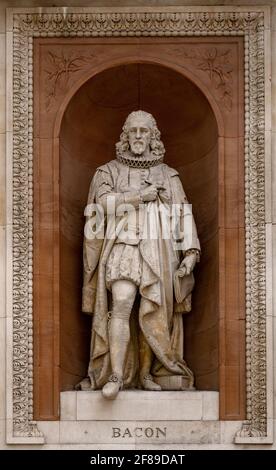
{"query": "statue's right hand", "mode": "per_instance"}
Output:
(150, 193)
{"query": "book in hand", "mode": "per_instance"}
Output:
(183, 284)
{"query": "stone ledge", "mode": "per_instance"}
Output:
(139, 432)
(140, 405)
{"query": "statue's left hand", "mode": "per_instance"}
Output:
(188, 264)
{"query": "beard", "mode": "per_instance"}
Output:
(138, 147)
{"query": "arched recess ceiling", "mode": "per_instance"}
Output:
(90, 128)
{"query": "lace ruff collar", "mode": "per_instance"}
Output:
(139, 162)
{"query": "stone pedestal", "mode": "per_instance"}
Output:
(140, 405)
(139, 417)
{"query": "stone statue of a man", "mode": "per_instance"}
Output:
(133, 263)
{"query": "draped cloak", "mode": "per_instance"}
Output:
(155, 311)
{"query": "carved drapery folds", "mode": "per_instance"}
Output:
(152, 23)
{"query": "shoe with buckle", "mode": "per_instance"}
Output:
(112, 387)
(149, 384)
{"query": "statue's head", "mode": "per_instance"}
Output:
(140, 136)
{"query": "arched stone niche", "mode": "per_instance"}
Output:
(91, 126)
(86, 88)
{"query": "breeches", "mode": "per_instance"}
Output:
(124, 262)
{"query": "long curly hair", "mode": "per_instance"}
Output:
(156, 145)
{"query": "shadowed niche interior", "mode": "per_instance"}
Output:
(90, 128)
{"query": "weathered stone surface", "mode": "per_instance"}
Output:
(140, 405)
(140, 432)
